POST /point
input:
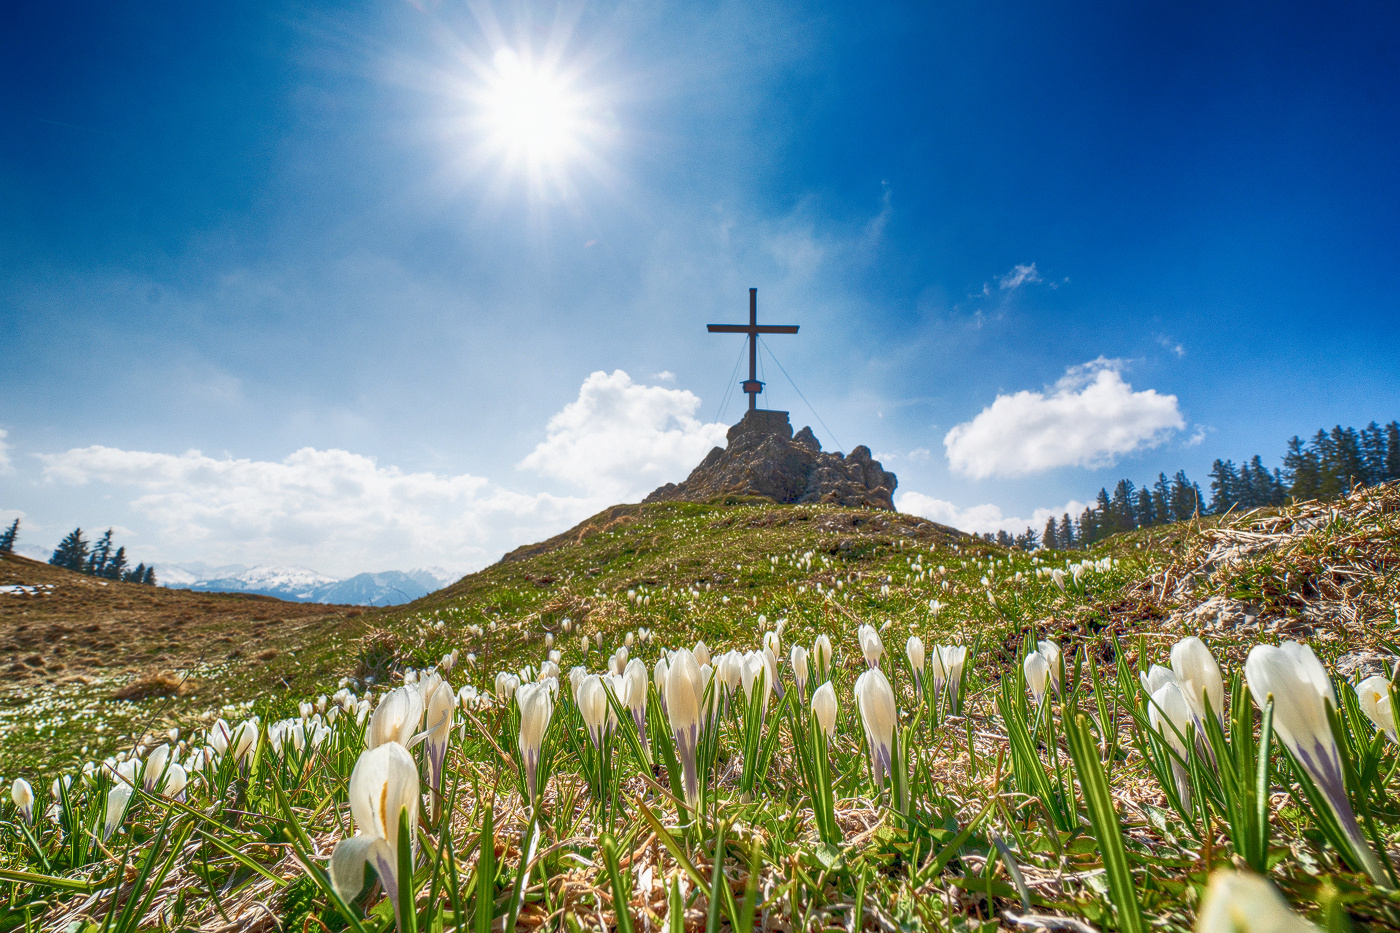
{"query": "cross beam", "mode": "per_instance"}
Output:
(751, 385)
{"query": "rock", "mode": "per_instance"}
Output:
(764, 458)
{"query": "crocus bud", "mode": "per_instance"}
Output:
(948, 662)
(1037, 675)
(1058, 576)
(506, 684)
(396, 718)
(536, 708)
(593, 707)
(636, 677)
(1199, 675)
(799, 668)
(155, 767)
(701, 653)
(1301, 690)
(658, 677)
(438, 722)
(176, 779)
(1051, 651)
(878, 714)
(23, 796)
(821, 656)
(771, 642)
(870, 645)
(1241, 902)
(1156, 678)
(683, 699)
(383, 794)
(1170, 713)
(914, 651)
(824, 709)
(1373, 696)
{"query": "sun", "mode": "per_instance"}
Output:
(532, 114)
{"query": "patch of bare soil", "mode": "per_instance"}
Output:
(66, 625)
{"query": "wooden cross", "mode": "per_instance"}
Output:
(751, 385)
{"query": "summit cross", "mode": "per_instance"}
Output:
(751, 385)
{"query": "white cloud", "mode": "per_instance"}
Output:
(980, 519)
(664, 376)
(5, 465)
(619, 440)
(336, 511)
(343, 513)
(1196, 437)
(920, 455)
(1089, 418)
(1019, 275)
(1171, 345)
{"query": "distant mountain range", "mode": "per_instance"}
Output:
(298, 584)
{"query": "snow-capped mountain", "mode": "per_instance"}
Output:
(298, 584)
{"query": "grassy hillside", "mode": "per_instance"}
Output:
(997, 819)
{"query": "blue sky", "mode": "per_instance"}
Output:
(1032, 249)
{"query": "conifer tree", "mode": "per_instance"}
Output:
(1392, 451)
(1066, 535)
(72, 552)
(1146, 513)
(1224, 487)
(116, 567)
(1162, 499)
(7, 539)
(1050, 538)
(1373, 451)
(135, 576)
(101, 554)
(150, 579)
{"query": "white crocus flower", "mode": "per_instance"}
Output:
(636, 677)
(506, 682)
(536, 709)
(176, 779)
(658, 676)
(684, 686)
(879, 715)
(396, 718)
(1240, 902)
(1051, 651)
(1058, 577)
(22, 793)
(702, 653)
(118, 799)
(948, 663)
(592, 706)
(1171, 714)
(821, 656)
(1199, 675)
(1373, 696)
(824, 709)
(438, 723)
(914, 651)
(800, 668)
(155, 767)
(1037, 670)
(1301, 690)
(870, 644)
(1156, 678)
(383, 794)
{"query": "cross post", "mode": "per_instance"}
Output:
(751, 385)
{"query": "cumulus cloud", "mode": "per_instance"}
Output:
(1020, 275)
(342, 513)
(980, 519)
(1089, 418)
(619, 439)
(337, 511)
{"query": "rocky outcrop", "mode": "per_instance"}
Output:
(764, 458)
